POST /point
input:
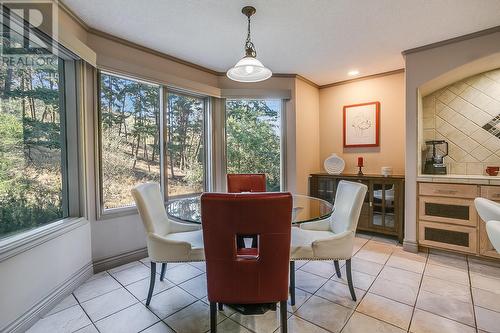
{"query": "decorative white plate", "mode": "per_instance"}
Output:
(334, 165)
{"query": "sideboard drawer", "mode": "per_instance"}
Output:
(446, 236)
(448, 210)
(491, 192)
(449, 190)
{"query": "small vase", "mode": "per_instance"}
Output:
(334, 164)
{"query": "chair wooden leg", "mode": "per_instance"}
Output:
(213, 317)
(151, 283)
(221, 306)
(349, 279)
(292, 282)
(337, 268)
(283, 315)
(163, 269)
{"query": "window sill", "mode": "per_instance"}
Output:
(112, 213)
(24, 241)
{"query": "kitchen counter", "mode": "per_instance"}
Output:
(460, 179)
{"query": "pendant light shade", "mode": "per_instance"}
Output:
(249, 68)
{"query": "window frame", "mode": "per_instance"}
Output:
(207, 142)
(164, 90)
(283, 138)
(108, 213)
(71, 74)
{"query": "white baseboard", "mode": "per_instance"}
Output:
(38, 310)
(120, 259)
(410, 246)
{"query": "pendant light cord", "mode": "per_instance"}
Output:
(249, 47)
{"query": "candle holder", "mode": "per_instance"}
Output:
(360, 172)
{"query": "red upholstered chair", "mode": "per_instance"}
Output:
(246, 182)
(247, 276)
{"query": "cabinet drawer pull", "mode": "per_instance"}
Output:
(496, 195)
(446, 191)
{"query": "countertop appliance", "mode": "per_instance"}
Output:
(434, 164)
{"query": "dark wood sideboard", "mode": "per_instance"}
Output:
(383, 209)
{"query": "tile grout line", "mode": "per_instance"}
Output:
(418, 292)
(198, 299)
(122, 287)
(439, 315)
(471, 294)
(140, 302)
(91, 321)
(368, 290)
(314, 294)
(352, 310)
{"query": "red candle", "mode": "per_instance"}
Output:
(360, 161)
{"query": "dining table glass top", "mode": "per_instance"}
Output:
(305, 209)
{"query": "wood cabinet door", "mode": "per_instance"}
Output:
(384, 204)
(325, 188)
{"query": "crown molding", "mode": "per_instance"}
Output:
(452, 40)
(120, 40)
(362, 78)
(151, 51)
(306, 80)
(73, 15)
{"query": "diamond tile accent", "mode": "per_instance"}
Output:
(467, 115)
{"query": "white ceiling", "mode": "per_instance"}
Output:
(319, 39)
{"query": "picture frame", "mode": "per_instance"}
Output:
(361, 125)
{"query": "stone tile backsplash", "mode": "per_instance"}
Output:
(466, 115)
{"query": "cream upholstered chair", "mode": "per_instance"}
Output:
(489, 211)
(167, 240)
(331, 238)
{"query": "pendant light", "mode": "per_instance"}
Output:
(249, 68)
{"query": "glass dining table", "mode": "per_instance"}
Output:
(305, 209)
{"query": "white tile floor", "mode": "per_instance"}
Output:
(397, 292)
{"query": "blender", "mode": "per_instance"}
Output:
(434, 164)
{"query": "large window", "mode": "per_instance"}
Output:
(37, 109)
(131, 117)
(130, 137)
(253, 138)
(186, 144)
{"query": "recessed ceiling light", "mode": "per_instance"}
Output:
(353, 72)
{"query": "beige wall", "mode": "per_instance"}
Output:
(307, 140)
(121, 58)
(389, 91)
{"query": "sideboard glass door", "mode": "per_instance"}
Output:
(383, 204)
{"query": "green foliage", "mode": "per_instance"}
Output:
(185, 143)
(30, 149)
(253, 139)
(129, 137)
(11, 132)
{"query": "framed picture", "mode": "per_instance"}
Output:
(362, 125)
